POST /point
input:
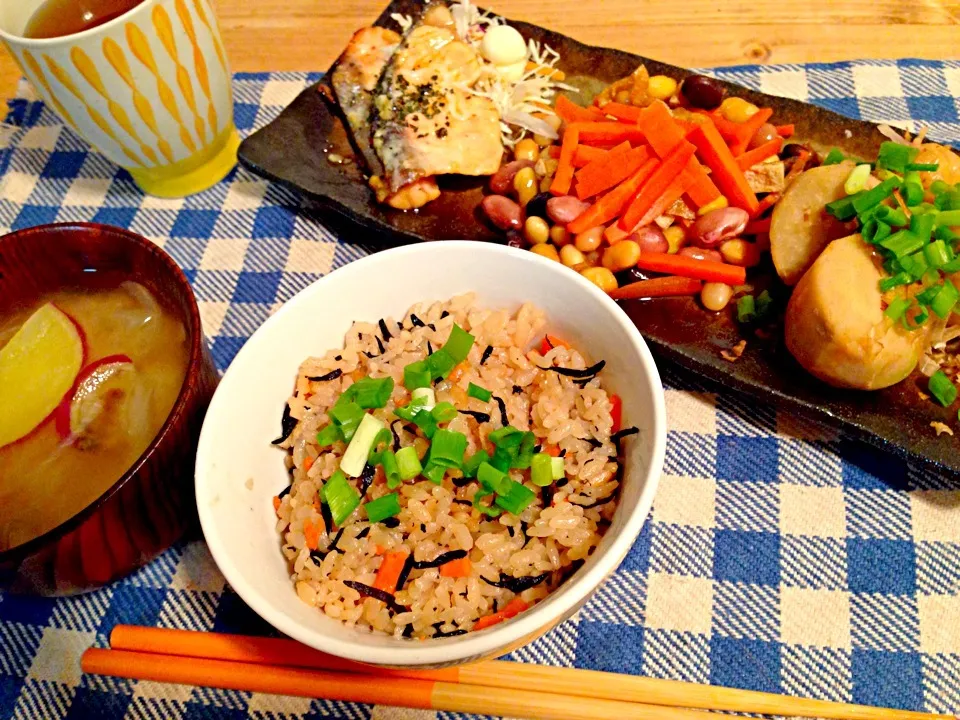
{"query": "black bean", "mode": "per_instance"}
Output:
(287, 425)
(332, 375)
(537, 207)
(702, 92)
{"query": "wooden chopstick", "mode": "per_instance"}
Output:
(380, 690)
(500, 674)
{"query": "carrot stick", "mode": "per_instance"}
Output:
(549, 342)
(311, 534)
(511, 609)
(570, 112)
(673, 192)
(456, 568)
(389, 571)
(616, 412)
(669, 286)
(597, 133)
(614, 202)
(624, 113)
(658, 184)
(748, 129)
(768, 202)
(614, 234)
(563, 177)
(664, 134)
(786, 131)
(757, 226)
(751, 157)
(585, 155)
(727, 174)
(692, 268)
(603, 174)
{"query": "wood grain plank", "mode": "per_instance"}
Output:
(306, 35)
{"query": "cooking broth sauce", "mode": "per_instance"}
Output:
(58, 469)
(56, 18)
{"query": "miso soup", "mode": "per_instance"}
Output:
(87, 379)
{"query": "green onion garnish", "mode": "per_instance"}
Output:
(500, 433)
(541, 470)
(842, 209)
(458, 344)
(481, 394)
(923, 167)
(525, 451)
(360, 445)
(440, 364)
(954, 200)
(921, 225)
(502, 459)
(942, 389)
(915, 264)
(870, 198)
(329, 435)
(912, 194)
(444, 412)
(514, 497)
(926, 297)
(945, 300)
(347, 415)
(746, 309)
(938, 187)
(447, 448)
(434, 473)
(472, 464)
(370, 393)
(834, 157)
(556, 465)
(897, 308)
(915, 322)
(902, 242)
(951, 218)
(857, 179)
(896, 281)
(383, 441)
(341, 497)
(423, 397)
(391, 469)
(892, 216)
(383, 507)
(490, 478)
(936, 253)
(946, 234)
(895, 156)
(416, 375)
(487, 510)
(408, 463)
(424, 420)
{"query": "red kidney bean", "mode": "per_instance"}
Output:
(502, 211)
(651, 239)
(566, 209)
(701, 254)
(702, 92)
(502, 180)
(764, 134)
(718, 225)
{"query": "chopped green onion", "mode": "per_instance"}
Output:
(842, 209)
(383, 507)
(329, 435)
(857, 179)
(902, 242)
(416, 375)
(423, 397)
(490, 478)
(434, 473)
(921, 225)
(912, 194)
(892, 216)
(915, 264)
(950, 218)
(897, 308)
(424, 420)
(444, 412)
(525, 452)
(514, 497)
(371, 393)
(447, 448)
(938, 187)
(440, 364)
(764, 304)
(458, 344)
(383, 441)
(391, 469)
(870, 198)
(746, 309)
(361, 444)
(895, 156)
(834, 157)
(408, 463)
(481, 394)
(557, 467)
(923, 167)
(953, 200)
(915, 322)
(472, 464)
(952, 266)
(541, 469)
(945, 300)
(341, 497)
(942, 389)
(347, 415)
(487, 510)
(936, 254)
(896, 281)
(926, 297)
(497, 435)
(502, 459)
(946, 234)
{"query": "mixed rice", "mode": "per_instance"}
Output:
(480, 541)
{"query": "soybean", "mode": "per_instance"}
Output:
(525, 185)
(571, 256)
(621, 256)
(589, 240)
(601, 277)
(526, 149)
(546, 250)
(715, 295)
(536, 230)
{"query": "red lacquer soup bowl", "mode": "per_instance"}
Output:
(151, 504)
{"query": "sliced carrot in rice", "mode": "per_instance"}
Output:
(311, 533)
(307, 463)
(456, 568)
(616, 412)
(276, 504)
(389, 572)
(511, 609)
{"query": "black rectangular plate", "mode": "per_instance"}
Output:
(292, 150)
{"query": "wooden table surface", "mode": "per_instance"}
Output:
(308, 34)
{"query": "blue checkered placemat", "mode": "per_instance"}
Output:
(779, 556)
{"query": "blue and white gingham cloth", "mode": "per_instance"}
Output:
(779, 556)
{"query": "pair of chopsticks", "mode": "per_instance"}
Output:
(285, 667)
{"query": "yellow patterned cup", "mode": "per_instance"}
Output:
(150, 89)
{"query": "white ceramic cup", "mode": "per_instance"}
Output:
(150, 89)
(239, 471)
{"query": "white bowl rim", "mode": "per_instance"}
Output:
(502, 636)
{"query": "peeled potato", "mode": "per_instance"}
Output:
(835, 326)
(947, 159)
(799, 228)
